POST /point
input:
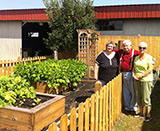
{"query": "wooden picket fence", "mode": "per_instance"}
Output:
(98, 113)
(6, 66)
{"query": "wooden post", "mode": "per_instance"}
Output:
(98, 86)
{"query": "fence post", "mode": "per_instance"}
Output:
(98, 86)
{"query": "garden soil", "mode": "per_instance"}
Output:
(75, 96)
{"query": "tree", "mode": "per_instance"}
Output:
(65, 17)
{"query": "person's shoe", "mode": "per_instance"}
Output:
(138, 115)
(148, 119)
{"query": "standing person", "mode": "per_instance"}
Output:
(142, 73)
(126, 58)
(106, 65)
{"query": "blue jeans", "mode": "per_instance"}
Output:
(129, 96)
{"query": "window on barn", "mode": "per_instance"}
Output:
(109, 25)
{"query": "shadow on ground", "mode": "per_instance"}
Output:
(127, 121)
(154, 124)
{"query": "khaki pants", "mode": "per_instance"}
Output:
(143, 92)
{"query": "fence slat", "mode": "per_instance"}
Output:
(64, 123)
(4, 68)
(87, 105)
(80, 116)
(97, 110)
(112, 99)
(100, 111)
(73, 120)
(104, 107)
(8, 67)
(1, 67)
(92, 112)
(12, 64)
(53, 127)
(115, 95)
(107, 105)
(110, 112)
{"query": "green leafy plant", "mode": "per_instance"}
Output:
(36, 101)
(56, 73)
(13, 89)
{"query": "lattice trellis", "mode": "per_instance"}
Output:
(88, 49)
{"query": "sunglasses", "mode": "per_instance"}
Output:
(142, 48)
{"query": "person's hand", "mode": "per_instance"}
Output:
(138, 77)
(135, 77)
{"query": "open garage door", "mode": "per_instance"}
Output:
(33, 44)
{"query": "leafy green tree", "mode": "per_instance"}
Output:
(65, 17)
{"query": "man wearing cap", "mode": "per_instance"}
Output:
(126, 58)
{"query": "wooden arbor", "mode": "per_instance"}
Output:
(88, 48)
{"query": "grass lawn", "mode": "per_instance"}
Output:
(127, 122)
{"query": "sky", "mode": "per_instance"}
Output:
(30, 4)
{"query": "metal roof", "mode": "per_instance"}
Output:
(24, 14)
(102, 12)
(128, 11)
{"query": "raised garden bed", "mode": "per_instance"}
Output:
(33, 119)
(43, 88)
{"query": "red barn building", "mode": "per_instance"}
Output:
(22, 30)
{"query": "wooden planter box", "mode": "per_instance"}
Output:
(33, 119)
(43, 88)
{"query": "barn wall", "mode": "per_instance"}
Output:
(10, 40)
